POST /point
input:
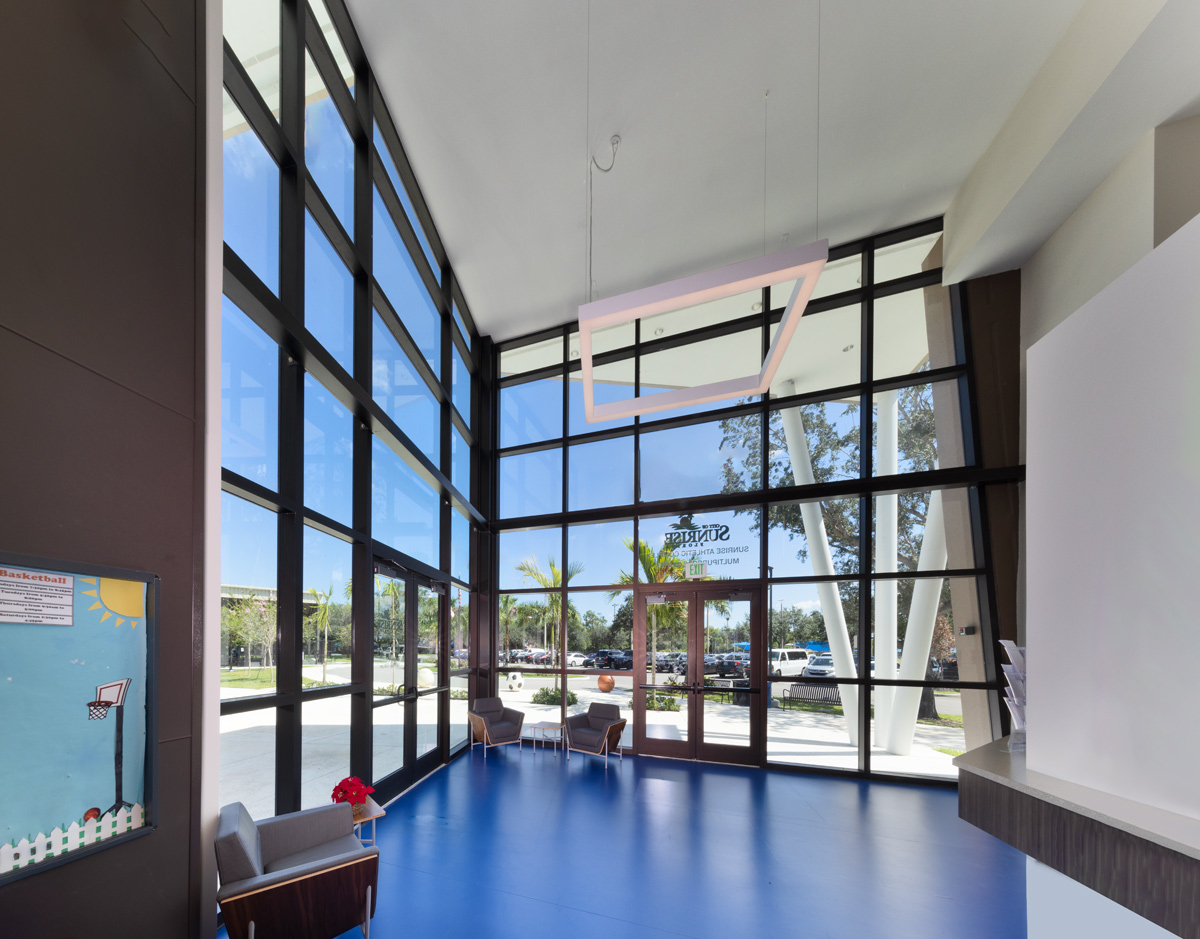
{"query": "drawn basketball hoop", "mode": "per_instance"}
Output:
(98, 710)
(112, 695)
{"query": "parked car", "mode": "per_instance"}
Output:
(575, 659)
(680, 667)
(785, 663)
(622, 659)
(711, 661)
(735, 664)
(820, 666)
(604, 658)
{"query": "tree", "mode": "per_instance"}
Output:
(669, 619)
(322, 623)
(552, 579)
(832, 433)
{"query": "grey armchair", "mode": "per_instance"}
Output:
(492, 724)
(597, 732)
(303, 875)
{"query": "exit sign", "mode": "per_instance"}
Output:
(696, 570)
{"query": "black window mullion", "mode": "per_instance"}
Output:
(362, 763)
(865, 511)
(289, 720)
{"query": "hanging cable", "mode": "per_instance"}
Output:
(615, 141)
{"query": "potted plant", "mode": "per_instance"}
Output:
(355, 791)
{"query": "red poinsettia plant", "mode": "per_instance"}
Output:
(352, 790)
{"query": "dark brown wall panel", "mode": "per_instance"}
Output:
(994, 311)
(99, 164)
(98, 402)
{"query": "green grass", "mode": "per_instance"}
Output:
(262, 678)
(253, 678)
(950, 750)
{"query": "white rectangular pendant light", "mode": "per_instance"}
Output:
(802, 264)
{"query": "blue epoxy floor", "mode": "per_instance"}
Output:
(526, 845)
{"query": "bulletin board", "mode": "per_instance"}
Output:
(77, 710)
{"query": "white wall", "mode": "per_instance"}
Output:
(1058, 906)
(1109, 232)
(1112, 529)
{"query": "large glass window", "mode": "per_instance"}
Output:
(702, 459)
(697, 363)
(291, 472)
(251, 28)
(389, 166)
(402, 393)
(328, 453)
(610, 382)
(249, 398)
(404, 510)
(250, 190)
(403, 286)
(727, 541)
(819, 480)
(814, 443)
(531, 412)
(460, 383)
(328, 633)
(519, 549)
(249, 611)
(328, 296)
(460, 463)
(325, 748)
(808, 539)
(328, 149)
(601, 473)
(825, 352)
(601, 553)
(530, 483)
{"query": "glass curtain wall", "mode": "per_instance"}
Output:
(849, 495)
(350, 371)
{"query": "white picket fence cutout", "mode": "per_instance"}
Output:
(15, 855)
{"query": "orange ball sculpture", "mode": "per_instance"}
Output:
(605, 683)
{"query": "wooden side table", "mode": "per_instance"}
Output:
(546, 732)
(371, 812)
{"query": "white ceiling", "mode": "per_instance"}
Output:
(499, 105)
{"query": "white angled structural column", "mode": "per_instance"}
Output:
(918, 637)
(822, 562)
(886, 551)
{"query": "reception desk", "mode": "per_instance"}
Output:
(1144, 858)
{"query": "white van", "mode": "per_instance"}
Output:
(786, 663)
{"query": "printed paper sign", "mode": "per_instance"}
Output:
(36, 598)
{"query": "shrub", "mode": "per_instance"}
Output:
(552, 696)
(661, 702)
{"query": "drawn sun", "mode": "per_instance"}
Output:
(124, 599)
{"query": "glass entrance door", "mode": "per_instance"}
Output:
(699, 699)
(409, 677)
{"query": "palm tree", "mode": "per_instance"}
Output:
(552, 580)
(660, 568)
(323, 623)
